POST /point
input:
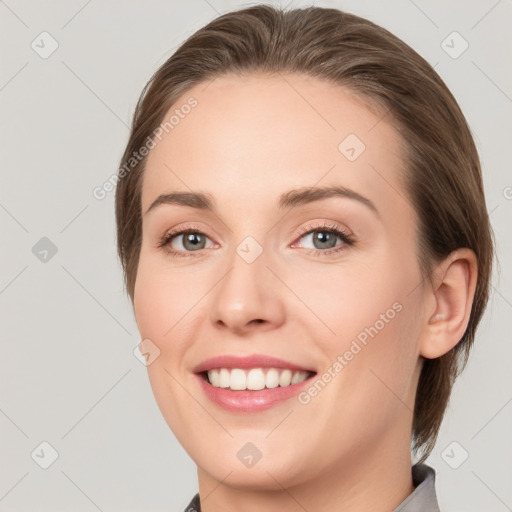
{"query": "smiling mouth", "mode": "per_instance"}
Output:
(254, 379)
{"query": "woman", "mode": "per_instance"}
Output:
(303, 230)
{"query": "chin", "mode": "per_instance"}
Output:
(262, 477)
(271, 472)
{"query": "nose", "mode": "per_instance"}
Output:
(247, 298)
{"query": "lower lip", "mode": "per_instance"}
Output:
(250, 401)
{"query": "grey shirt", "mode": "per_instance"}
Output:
(422, 499)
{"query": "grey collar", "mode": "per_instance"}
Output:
(423, 498)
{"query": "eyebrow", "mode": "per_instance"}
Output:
(291, 199)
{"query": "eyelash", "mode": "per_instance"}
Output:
(323, 228)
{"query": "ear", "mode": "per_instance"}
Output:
(454, 287)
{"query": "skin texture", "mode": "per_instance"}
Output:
(249, 140)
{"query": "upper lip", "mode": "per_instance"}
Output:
(251, 361)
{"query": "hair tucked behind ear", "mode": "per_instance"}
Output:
(443, 176)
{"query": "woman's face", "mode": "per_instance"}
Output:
(326, 283)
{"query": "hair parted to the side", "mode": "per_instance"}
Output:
(443, 175)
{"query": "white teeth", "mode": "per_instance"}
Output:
(238, 379)
(224, 378)
(255, 378)
(299, 377)
(214, 377)
(272, 378)
(285, 378)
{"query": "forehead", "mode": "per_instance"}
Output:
(250, 138)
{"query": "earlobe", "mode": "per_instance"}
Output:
(453, 293)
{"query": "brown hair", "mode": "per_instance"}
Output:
(443, 176)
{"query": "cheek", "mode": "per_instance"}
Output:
(161, 300)
(163, 306)
(373, 322)
(149, 298)
(345, 299)
(169, 304)
(384, 368)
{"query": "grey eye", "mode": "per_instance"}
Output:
(322, 239)
(190, 241)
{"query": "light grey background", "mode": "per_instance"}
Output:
(68, 373)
